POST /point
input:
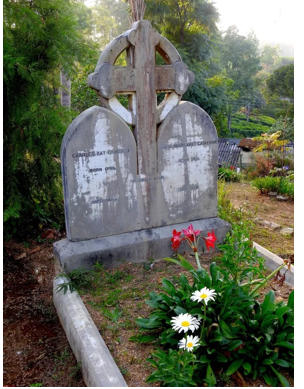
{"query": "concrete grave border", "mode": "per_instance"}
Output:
(98, 366)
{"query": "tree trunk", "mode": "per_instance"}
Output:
(248, 111)
(65, 90)
(229, 122)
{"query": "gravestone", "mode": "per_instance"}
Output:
(132, 175)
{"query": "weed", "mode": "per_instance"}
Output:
(124, 371)
(113, 315)
(76, 370)
(62, 358)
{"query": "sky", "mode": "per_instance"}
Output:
(273, 21)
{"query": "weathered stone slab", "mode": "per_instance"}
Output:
(136, 246)
(266, 223)
(98, 157)
(187, 164)
(286, 231)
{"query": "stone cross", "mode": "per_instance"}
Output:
(126, 190)
(143, 80)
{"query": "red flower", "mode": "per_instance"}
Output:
(190, 233)
(210, 240)
(176, 240)
(231, 167)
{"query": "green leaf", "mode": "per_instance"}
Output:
(178, 310)
(168, 286)
(288, 345)
(271, 381)
(282, 363)
(282, 310)
(225, 330)
(267, 304)
(267, 361)
(234, 366)
(147, 323)
(291, 300)
(204, 359)
(210, 375)
(143, 338)
(247, 367)
(221, 358)
(281, 378)
(234, 344)
(182, 263)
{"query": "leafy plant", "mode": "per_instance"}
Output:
(172, 368)
(232, 330)
(229, 174)
(281, 185)
(80, 278)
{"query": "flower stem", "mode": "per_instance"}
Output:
(266, 279)
(197, 260)
(203, 326)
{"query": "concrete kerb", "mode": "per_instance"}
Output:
(273, 261)
(98, 366)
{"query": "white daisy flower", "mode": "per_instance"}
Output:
(185, 322)
(203, 294)
(189, 343)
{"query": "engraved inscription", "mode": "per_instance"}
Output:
(100, 152)
(100, 200)
(190, 144)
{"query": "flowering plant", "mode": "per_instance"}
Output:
(214, 322)
(192, 237)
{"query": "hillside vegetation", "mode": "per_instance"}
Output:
(256, 125)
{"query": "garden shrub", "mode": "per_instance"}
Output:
(231, 329)
(229, 174)
(282, 185)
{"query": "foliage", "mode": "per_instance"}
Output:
(41, 38)
(282, 185)
(270, 142)
(240, 59)
(243, 127)
(285, 126)
(80, 278)
(280, 85)
(281, 82)
(229, 174)
(237, 333)
(173, 369)
(191, 27)
(239, 260)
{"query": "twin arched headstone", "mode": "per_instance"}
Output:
(145, 166)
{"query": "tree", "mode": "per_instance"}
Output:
(191, 26)
(109, 19)
(240, 59)
(280, 86)
(41, 38)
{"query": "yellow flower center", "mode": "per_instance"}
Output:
(190, 344)
(185, 324)
(204, 295)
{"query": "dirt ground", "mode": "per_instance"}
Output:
(35, 348)
(36, 351)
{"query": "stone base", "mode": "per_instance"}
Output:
(137, 246)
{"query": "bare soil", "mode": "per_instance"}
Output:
(35, 347)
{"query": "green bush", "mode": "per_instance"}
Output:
(229, 175)
(237, 332)
(282, 185)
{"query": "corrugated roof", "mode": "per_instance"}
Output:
(228, 153)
